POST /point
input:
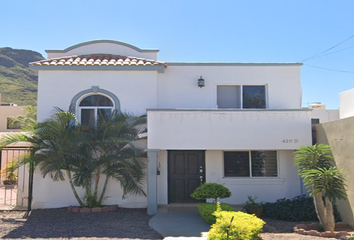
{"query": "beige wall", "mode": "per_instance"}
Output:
(9, 111)
(340, 136)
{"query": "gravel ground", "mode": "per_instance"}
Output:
(283, 230)
(62, 224)
(123, 224)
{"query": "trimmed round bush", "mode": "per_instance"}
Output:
(206, 211)
(211, 190)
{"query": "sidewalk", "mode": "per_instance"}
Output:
(179, 222)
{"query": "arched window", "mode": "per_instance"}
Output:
(93, 107)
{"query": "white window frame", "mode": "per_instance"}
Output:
(241, 89)
(250, 165)
(78, 107)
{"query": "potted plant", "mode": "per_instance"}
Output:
(252, 207)
(9, 173)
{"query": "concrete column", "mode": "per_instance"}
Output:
(152, 181)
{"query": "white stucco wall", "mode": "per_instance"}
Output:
(136, 91)
(346, 104)
(108, 48)
(177, 87)
(286, 185)
(224, 130)
(325, 115)
(50, 194)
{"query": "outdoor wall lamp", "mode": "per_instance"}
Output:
(201, 82)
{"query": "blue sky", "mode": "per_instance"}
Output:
(201, 31)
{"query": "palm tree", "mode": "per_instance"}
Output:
(110, 152)
(60, 145)
(325, 182)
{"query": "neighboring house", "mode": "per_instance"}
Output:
(320, 114)
(339, 135)
(346, 101)
(237, 124)
(6, 112)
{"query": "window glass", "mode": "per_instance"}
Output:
(236, 164)
(229, 96)
(264, 163)
(104, 113)
(254, 97)
(315, 121)
(96, 100)
(87, 117)
(12, 124)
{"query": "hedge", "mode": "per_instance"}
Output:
(206, 211)
(235, 225)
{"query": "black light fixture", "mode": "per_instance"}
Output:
(201, 82)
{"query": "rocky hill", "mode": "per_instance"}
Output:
(18, 84)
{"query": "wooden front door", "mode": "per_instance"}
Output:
(186, 171)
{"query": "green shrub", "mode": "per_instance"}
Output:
(211, 190)
(299, 208)
(251, 205)
(235, 225)
(206, 211)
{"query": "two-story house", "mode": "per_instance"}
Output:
(236, 124)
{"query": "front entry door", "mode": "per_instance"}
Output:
(186, 171)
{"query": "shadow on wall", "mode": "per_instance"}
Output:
(339, 135)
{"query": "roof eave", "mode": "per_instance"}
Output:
(158, 68)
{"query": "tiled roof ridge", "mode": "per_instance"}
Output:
(97, 59)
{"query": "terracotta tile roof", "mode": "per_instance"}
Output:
(97, 60)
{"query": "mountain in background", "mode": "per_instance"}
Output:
(18, 84)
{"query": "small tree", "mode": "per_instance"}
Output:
(322, 179)
(211, 190)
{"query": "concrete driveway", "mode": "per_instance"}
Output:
(177, 222)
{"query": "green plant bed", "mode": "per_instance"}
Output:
(299, 208)
(206, 211)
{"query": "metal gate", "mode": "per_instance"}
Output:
(15, 179)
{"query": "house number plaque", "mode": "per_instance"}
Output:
(290, 140)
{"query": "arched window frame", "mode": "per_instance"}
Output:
(95, 90)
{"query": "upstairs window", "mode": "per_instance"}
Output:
(241, 96)
(12, 123)
(250, 164)
(94, 107)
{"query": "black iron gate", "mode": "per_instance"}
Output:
(16, 180)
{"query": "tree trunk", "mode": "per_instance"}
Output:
(103, 191)
(97, 181)
(88, 193)
(324, 212)
(329, 217)
(74, 190)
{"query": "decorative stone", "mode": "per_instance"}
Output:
(301, 231)
(85, 210)
(303, 226)
(75, 209)
(313, 233)
(106, 208)
(70, 207)
(114, 208)
(96, 209)
(328, 234)
(342, 233)
(343, 238)
(341, 225)
(296, 229)
(312, 226)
